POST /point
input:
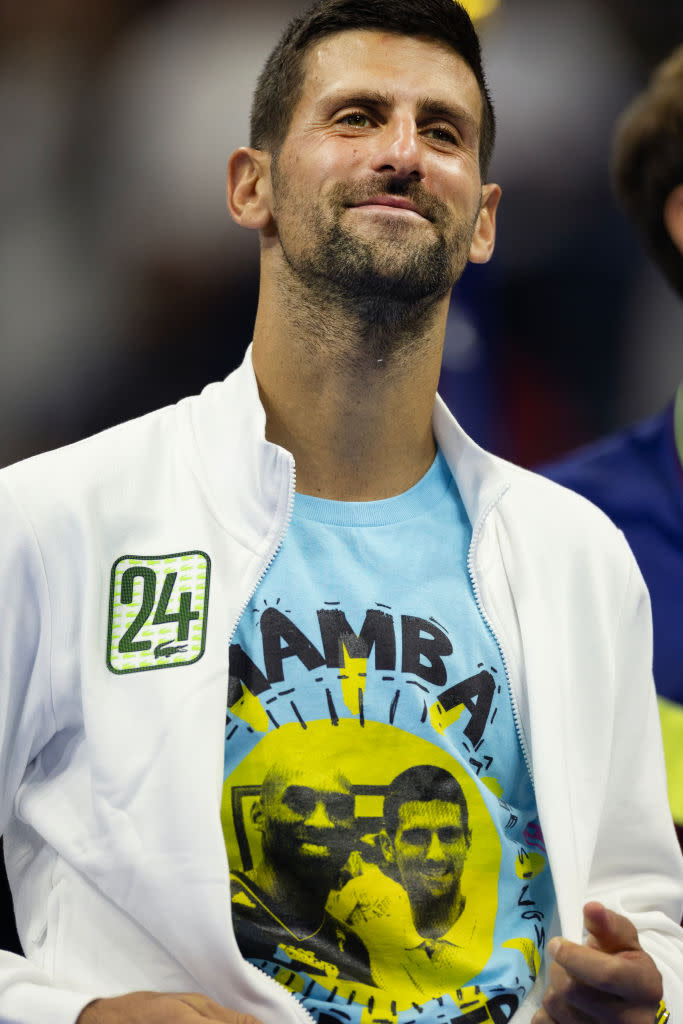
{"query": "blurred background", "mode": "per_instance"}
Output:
(123, 282)
(124, 285)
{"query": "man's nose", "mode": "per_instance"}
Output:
(399, 149)
(319, 818)
(435, 849)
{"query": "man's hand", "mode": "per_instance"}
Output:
(160, 1008)
(611, 979)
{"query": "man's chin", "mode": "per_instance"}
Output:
(441, 889)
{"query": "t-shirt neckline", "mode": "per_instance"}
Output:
(418, 499)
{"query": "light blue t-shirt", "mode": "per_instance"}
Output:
(387, 859)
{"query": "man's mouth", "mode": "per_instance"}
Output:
(436, 874)
(315, 844)
(393, 205)
(314, 849)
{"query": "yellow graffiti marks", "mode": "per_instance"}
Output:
(528, 865)
(530, 952)
(307, 958)
(249, 709)
(492, 784)
(290, 979)
(353, 676)
(441, 719)
(381, 1009)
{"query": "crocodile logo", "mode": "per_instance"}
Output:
(168, 648)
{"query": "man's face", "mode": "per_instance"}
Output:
(430, 847)
(307, 821)
(376, 189)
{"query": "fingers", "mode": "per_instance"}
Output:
(212, 1011)
(630, 975)
(610, 979)
(608, 931)
(572, 1003)
(161, 1008)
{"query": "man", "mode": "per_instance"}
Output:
(427, 837)
(129, 562)
(422, 942)
(635, 475)
(307, 828)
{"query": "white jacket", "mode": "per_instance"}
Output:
(112, 782)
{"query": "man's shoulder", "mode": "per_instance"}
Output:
(531, 507)
(133, 457)
(547, 506)
(547, 525)
(120, 466)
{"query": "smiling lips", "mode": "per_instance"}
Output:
(387, 202)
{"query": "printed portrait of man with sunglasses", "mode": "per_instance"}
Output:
(308, 830)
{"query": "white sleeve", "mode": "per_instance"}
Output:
(645, 868)
(27, 722)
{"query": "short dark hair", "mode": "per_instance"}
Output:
(280, 83)
(647, 161)
(422, 782)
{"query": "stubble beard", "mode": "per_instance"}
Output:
(387, 286)
(433, 914)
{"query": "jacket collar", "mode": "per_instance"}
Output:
(248, 477)
(249, 481)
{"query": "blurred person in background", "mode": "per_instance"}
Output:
(636, 474)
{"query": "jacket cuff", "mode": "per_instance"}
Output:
(28, 1003)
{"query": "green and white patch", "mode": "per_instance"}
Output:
(157, 610)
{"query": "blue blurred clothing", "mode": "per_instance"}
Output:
(635, 477)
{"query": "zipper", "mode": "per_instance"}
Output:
(307, 1015)
(271, 557)
(280, 989)
(477, 597)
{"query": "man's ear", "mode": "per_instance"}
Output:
(257, 816)
(673, 216)
(248, 189)
(387, 847)
(484, 237)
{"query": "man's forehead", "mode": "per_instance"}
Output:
(394, 65)
(286, 780)
(328, 787)
(429, 812)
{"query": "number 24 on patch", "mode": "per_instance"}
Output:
(157, 610)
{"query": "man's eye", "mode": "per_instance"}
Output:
(442, 134)
(449, 834)
(416, 836)
(356, 120)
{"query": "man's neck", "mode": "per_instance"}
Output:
(356, 416)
